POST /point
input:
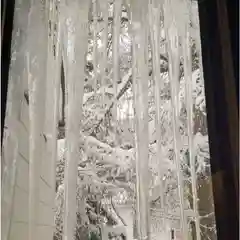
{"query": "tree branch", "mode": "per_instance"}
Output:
(127, 80)
(115, 210)
(126, 83)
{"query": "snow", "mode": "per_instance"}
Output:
(60, 148)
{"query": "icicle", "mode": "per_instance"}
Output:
(116, 33)
(103, 64)
(53, 90)
(36, 63)
(94, 53)
(9, 157)
(196, 37)
(174, 60)
(137, 205)
(140, 86)
(64, 52)
(129, 109)
(154, 21)
(77, 20)
(9, 154)
(189, 105)
(64, 42)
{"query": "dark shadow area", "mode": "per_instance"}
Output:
(7, 14)
(219, 36)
